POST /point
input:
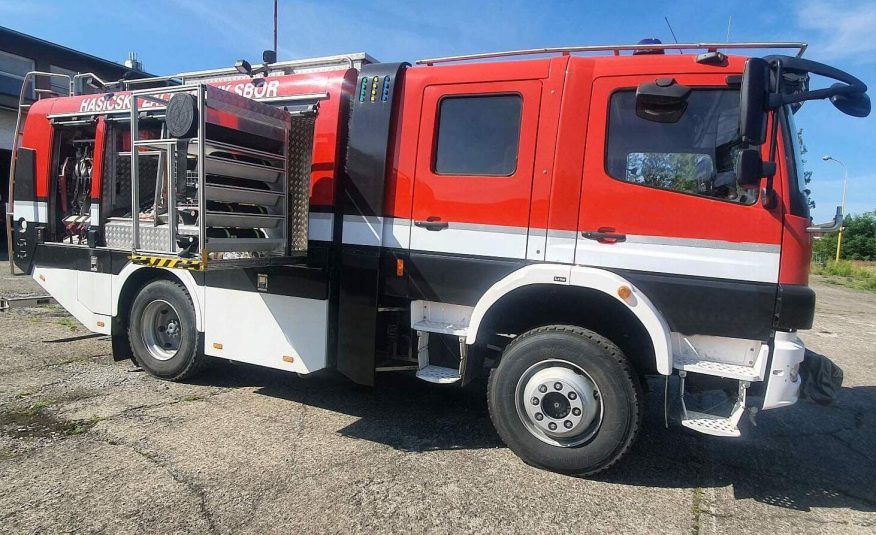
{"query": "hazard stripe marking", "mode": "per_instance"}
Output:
(158, 261)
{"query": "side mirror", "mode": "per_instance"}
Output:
(269, 56)
(663, 101)
(753, 101)
(854, 104)
(749, 168)
(831, 226)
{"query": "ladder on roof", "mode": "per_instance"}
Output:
(23, 107)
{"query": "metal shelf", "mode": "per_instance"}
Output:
(236, 169)
(220, 245)
(214, 192)
(238, 220)
(240, 150)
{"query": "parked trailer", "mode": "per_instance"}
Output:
(568, 223)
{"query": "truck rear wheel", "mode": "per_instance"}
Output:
(162, 332)
(565, 399)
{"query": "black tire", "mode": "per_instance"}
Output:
(180, 363)
(607, 439)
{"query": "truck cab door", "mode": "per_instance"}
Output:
(472, 187)
(661, 206)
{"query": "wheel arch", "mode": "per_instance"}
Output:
(542, 294)
(134, 277)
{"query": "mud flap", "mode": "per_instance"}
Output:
(820, 377)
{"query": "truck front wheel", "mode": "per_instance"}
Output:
(565, 399)
(162, 332)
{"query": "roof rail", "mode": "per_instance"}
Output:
(616, 49)
(324, 63)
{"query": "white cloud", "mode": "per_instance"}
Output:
(843, 29)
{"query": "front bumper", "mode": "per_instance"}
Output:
(783, 378)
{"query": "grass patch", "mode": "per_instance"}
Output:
(193, 398)
(37, 408)
(36, 421)
(70, 324)
(848, 274)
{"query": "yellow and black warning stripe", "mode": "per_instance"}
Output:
(162, 261)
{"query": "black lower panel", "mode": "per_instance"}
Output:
(461, 280)
(294, 281)
(357, 313)
(716, 307)
(796, 308)
(78, 257)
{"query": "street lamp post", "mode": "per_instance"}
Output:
(839, 239)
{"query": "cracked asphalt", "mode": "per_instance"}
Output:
(90, 445)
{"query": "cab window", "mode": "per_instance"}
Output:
(478, 135)
(695, 154)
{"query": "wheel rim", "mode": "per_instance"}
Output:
(559, 403)
(161, 330)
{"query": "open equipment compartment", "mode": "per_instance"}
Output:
(227, 190)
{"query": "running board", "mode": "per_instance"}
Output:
(720, 369)
(439, 374)
(712, 424)
(428, 317)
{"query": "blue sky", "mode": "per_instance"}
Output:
(179, 35)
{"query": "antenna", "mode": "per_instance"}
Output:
(275, 30)
(672, 32)
(729, 25)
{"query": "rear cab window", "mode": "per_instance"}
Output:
(478, 135)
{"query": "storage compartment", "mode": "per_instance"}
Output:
(228, 187)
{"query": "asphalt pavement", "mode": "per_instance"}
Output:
(91, 445)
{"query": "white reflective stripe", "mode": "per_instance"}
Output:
(33, 211)
(561, 246)
(722, 263)
(472, 239)
(713, 244)
(396, 232)
(362, 230)
(320, 226)
(376, 231)
(537, 244)
(94, 211)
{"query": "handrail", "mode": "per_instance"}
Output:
(16, 134)
(616, 49)
(194, 76)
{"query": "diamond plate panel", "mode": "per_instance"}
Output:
(120, 235)
(300, 155)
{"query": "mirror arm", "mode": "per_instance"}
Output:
(768, 197)
(832, 226)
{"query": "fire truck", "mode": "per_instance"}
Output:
(563, 221)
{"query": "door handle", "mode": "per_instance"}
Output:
(432, 223)
(605, 235)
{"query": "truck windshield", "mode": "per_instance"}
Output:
(794, 164)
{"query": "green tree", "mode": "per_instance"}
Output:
(807, 175)
(859, 240)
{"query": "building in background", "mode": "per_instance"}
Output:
(21, 53)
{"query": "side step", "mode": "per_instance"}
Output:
(711, 424)
(752, 373)
(440, 319)
(439, 374)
